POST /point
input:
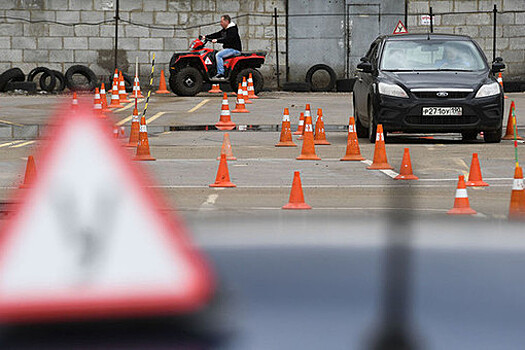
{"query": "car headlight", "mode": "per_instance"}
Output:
(488, 90)
(392, 90)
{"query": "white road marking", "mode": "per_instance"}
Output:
(210, 201)
(125, 120)
(155, 117)
(129, 105)
(23, 144)
(9, 143)
(387, 172)
(10, 123)
(199, 105)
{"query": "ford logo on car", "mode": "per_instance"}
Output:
(442, 94)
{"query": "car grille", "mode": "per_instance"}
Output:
(432, 94)
(442, 120)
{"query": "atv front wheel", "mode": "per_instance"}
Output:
(258, 80)
(186, 82)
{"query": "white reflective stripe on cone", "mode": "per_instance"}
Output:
(307, 113)
(301, 121)
(143, 128)
(286, 118)
(517, 184)
(308, 128)
(351, 128)
(461, 193)
(225, 112)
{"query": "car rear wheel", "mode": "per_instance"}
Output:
(186, 82)
(492, 136)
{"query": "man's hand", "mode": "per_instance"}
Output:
(214, 41)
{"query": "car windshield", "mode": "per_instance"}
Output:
(431, 55)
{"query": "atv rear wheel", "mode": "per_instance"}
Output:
(258, 80)
(186, 81)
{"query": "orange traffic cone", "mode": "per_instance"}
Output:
(115, 101)
(98, 105)
(320, 136)
(286, 132)
(136, 88)
(405, 173)
(135, 129)
(122, 94)
(251, 89)
(380, 161)
(353, 153)
(225, 121)
(308, 150)
(300, 127)
(74, 102)
(227, 148)
(162, 84)
(104, 98)
(461, 204)
(143, 144)
(115, 132)
(30, 174)
(474, 176)
(239, 106)
(509, 134)
(223, 176)
(500, 81)
(244, 86)
(296, 200)
(215, 89)
(517, 197)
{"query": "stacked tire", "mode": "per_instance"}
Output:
(51, 81)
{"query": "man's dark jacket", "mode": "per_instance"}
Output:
(229, 38)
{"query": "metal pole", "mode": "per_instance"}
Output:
(287, 44)
(406, 14)
(116, 32)
(495, 11)
(431, 21)
(276, 46)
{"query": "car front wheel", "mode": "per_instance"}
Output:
(492, 136)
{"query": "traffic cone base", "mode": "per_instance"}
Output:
(286, 132)
(353, 153)
(352, 157)
(225, 122)
(134, 132)
(380, 160)
(251, 89)
(296, 200)
(223, 176)
(319, 135)
(405, 172)
(308, 149)
(474, 178)
(239, 105)
(143, 152)
(162, 84)
(461, 202)
(321, 142)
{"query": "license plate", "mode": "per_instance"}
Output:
(442, 111)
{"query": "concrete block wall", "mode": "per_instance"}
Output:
(510, 28)
(56, 46)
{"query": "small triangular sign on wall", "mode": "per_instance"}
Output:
(400, 28)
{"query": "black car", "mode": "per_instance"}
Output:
(428, 83)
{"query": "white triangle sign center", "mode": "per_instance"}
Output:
(89, 241)
(207, 61)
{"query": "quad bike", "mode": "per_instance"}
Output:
(189, 70)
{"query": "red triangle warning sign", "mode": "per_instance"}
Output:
(207, 61)
(400, 28)
(88, 240)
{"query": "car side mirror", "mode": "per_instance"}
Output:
(498, 66)
(365, 67)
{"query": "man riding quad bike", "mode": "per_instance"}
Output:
(189, 70)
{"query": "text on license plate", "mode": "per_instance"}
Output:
(442, 111)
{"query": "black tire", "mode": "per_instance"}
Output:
(13, 74)
(128, 82)
(321, 88)
(85, 72)
(61, 81)
(186, 82)
(361, 130)
(492, 136)
(28, 86)
(258, 79)
(297, 87)
(43, 70)
(469, 135)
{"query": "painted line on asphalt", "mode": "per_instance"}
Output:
(10, 123)
(387, 172)
(199, 105)
(128, 106)
(10, 143)
(209, 203)
(125, 120)
(23, 144)
(401, 185)
(155, 117)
